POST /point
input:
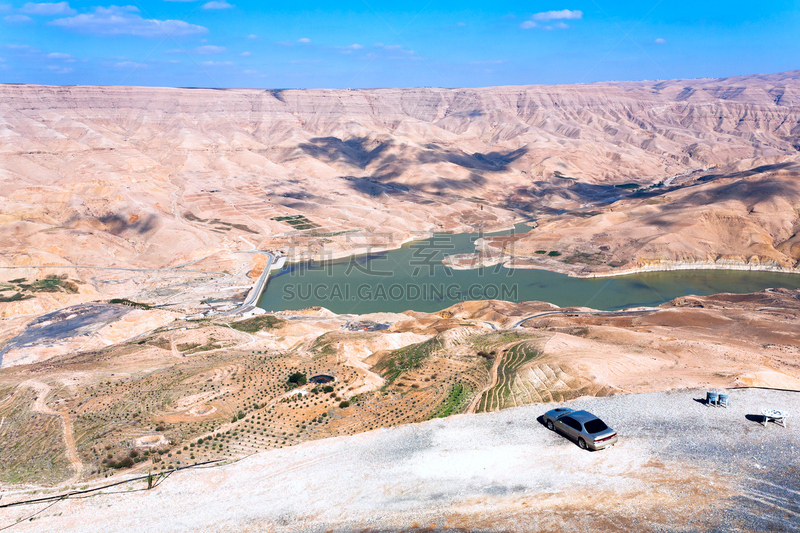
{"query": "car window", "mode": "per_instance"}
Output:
(571, 422)
(595, 426)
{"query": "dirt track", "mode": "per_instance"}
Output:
(679, 465)
(40, 406)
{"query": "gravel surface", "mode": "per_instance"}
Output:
(679, 466)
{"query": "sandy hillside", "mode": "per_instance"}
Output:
(156, 177)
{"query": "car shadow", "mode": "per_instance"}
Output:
(540, 419)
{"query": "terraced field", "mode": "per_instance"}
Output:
(503, 393)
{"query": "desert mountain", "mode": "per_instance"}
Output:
(158, 177)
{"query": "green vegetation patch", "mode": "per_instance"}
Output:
(258, 323)
(629, 186)
(584, 258)
(194, 347)
(51, 283)
(405, 359)
(456, 401)
(129, 303)
(297, 379)
(15, 297)
(298, 222)
(325, 345)
(225, 226)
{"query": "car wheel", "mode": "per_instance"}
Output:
(582, 444)
(550, 425)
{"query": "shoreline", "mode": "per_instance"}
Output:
(475, 262)
(678, 266)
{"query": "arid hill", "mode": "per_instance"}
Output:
(158, 177)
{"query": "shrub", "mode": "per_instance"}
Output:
(554, 253)
(327, 388)
(344, 404)
(124, 463)
(298, 378)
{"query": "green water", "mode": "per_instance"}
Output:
(413, 277)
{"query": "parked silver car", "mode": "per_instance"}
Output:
(581, 426)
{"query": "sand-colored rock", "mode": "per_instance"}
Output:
(158, 177)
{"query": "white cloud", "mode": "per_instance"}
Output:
(545, 16)
(26, 47)
(304, 40)
(252, 36)
(559, 15)
(57, 55)
(128, 64)
(250, 71)
(5, 8)
(349, 49)
(116, 20)
(59, 70)
(217, 5)
(245, 54)
(217, 63)
(61, 8)
(490, 62)
(210, 49)
(17, 18)
(461, 24)
(660, 41)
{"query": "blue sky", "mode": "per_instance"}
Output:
(368, 43)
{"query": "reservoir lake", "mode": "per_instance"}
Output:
(414, 278)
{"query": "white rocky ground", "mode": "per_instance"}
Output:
(679, 466)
